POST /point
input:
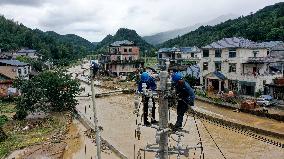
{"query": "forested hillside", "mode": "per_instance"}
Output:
(124, 34)
(265, 25)
(60, 48)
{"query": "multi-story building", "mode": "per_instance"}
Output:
(237, 64)
(122, 58)
(179, 56)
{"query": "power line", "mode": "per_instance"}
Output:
(213, 140)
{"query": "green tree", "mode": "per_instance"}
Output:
(49, 91)
(3, 120)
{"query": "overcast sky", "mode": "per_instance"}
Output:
(94, 19)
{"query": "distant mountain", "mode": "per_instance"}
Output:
(95, 43)
(124, 34)
(60, 48)
(264, 25)
(75, 40)
(164, 36)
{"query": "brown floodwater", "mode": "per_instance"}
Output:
(115, 114)
(239, 117)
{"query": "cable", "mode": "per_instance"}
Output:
(200, 140)
(213, 140)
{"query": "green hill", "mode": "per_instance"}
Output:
(124, 34)
(265, 25)
(64, 48)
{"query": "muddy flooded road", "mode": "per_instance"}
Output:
(242, 118)
(115, 115)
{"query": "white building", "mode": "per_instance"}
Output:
(179, 56)
(237, 64)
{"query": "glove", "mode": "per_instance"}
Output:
(191, 103)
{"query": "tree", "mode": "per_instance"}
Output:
(3, 120)
(49, 91)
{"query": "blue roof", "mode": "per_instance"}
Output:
(180, 49)
(26, 51)
(219, 75)
(13, 62)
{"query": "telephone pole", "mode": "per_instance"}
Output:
(97, 130)
(163, 116)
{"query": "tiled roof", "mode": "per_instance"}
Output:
(180, 49)
(26, 51)
(273, 45)
(13, 62)
(235, 42)
(121, 43)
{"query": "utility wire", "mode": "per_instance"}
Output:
(213, 140)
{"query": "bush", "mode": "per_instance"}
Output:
(3, 120)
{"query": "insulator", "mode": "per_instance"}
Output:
(136, 102)
(144, 88)
(157, 138)
(157, 156)
(150, 104)
(169, 84)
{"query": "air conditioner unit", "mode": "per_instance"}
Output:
(226, 60)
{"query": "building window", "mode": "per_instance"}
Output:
(232, 53)
(205, 53)
(178, 56)
(218, 52)
(160, 56)
(218, 66)
(130, 49)
(192, 54)
(254, 53)
(232, 67)
(25, 71)
(130, 58)
(19, 71)
(267, 52)
(125, 50)
(205, 65)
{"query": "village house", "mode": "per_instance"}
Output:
(9, 71)
(122, 58)
(238, 64)
(5, 55)
(181, 56)
(28, 53)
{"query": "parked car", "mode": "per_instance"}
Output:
(265, 100)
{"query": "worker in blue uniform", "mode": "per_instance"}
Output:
(151, 84)
(185, 96)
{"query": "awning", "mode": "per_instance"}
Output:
(216, 75)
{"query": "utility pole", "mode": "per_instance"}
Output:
(97, 130)
(163, 116)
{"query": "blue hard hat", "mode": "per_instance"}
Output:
(145, 77)
(177, 76)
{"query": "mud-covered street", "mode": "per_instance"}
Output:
(115, 115)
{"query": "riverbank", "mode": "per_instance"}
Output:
(273, 113)
(33, 132)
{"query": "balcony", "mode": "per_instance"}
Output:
(261, 60)
(125, 61)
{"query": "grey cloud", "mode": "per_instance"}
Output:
(23, 2)
(89, 30)
(58, 19)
